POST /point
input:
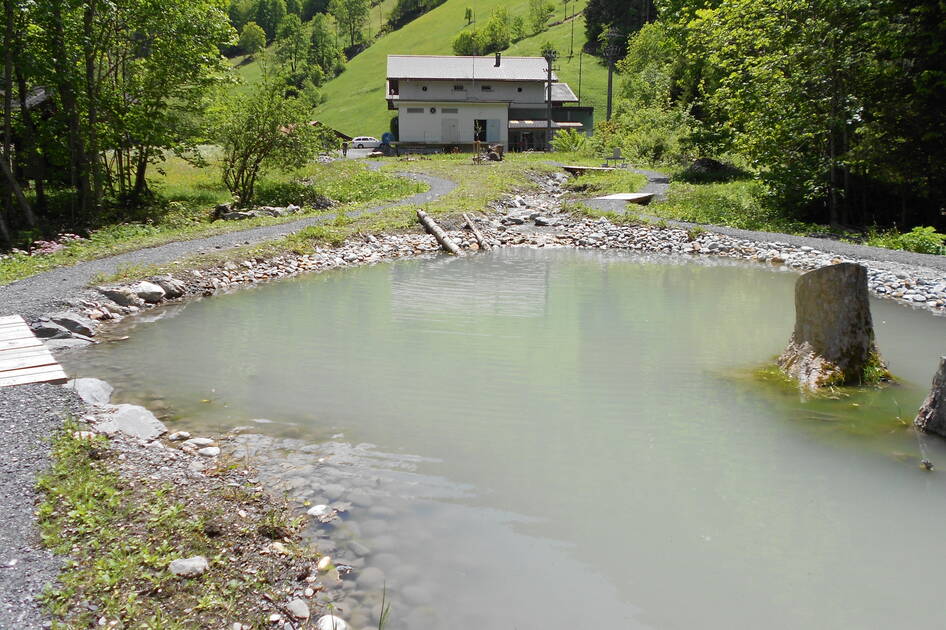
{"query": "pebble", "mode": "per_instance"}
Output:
(209, 451)
(298, 608)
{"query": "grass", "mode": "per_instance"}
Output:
(190, 195)
(355, 100)
(120, 536)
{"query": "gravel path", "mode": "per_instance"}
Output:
(42, 293)
(658, 183)
(28, 414)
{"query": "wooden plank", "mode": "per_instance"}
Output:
(8, 354)
(19, 333)
(21, 363)
(10, 344)
(41, 375)
(11, 318)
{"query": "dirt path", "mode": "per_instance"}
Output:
(45, 292)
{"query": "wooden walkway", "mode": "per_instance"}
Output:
(23, 358)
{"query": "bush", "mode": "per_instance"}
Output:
(570, 141)
(923, 240)
(297, 192)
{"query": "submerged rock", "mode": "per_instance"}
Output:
(932, 415)
(331, 622)
(833, 340)
(93, 391)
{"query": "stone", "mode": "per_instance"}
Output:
(132, 420)
(541, 221)
(49, 330)
(93, 391)
(371, 579)
(209, 451)
(319, 510)
(177, 436)
(65, 344)
(298, 609)
(324, 563)
(74, 323)
(123, 296)
(173, 288)
(833, 340)
(932, 415)
(148, 291)
(189, 567)
(237, 216)
(331, 622)
(199, 442)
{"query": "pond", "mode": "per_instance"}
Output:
(566, 439)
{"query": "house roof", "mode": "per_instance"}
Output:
(467, 68)
(561, 93)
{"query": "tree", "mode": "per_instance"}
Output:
(468, 15)
(322, 49)
(539, 13)
(292, 44)
(269, 13)
(310, 8)
(294, 7)
(466, 44)
(252, 38)
(241, 12)
(351, 16)
(626, 16)
(495, 36)
(263, 130)
(518, 28)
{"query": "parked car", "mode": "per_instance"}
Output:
(366, 142)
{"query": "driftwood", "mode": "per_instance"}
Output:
(480, 239)
(932, 415)
(431, 226)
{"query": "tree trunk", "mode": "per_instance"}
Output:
(36, 161)
(7, 96)
(92, 149)
(932, 415)
(431, 226)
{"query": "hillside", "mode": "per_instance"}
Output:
(355, 100)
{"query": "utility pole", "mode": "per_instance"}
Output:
(581, 54)
(611, 51)
(571, 46)
(550, 56)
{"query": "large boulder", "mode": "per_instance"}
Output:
(93, 391)
(932, 415)
(173, 288)
(123, 296)
(45, 329)
(148, 291)
(132, 420)
(74, 323)
(833, 340)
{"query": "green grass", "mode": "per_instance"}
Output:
(192, 193)
(355, 100)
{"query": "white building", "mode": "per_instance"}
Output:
(454, 101)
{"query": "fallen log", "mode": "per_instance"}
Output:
(480, 239)
(432, 228)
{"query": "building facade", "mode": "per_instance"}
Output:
(455, 101)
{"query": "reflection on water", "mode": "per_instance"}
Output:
(559, 439)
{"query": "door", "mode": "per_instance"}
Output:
(492, 130)
(450, 131)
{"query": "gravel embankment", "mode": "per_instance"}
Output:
(28, 415)
(45, 292)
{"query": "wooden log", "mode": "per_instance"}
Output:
(833, 340)
(932, 415)
(431, 226)
(480, 239)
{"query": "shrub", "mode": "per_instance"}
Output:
(297, 192)
(570, 141)
(923, 240)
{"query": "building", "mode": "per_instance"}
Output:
(451, 101)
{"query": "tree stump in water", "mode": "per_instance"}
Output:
(833, 341)
(932, 415)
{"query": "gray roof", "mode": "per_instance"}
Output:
(561, 93)
(452, 68)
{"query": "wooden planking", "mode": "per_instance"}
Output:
(23, 358)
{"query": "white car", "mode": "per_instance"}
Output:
(366, 142)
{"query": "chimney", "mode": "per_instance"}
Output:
(499, 57)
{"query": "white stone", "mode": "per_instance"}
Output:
(189, 567)
(148, 291)
(331, 622)
(298, 608)
(319, 510)
(91, 390)
(132, 420)
(209, 451)
(177, 436)
(199, 442)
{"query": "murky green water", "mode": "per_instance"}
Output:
(558, 439)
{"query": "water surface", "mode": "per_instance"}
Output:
(563, 439)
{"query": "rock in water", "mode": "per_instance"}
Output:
(833, 341)
(932, 415)
(331, 622)
(91, 390)
(132, 420)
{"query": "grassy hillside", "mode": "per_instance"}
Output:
(355, 101)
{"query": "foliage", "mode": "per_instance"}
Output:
(260, 131)
(518, 28)
(351, 16)
(294, 7)
(570, 141)
(322, 49)
(311, 8)
(923, 240)
(252, 38)
(468, 15)
(540, 11)
(405, 11)
(625, 17)
(298, 192)
(494, 37)
(269, 14)
(292, 44)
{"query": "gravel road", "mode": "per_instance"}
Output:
(42, 293)
(28, 414)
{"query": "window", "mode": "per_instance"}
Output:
(423, 89)
(415, 110)
(479, 130)
(393, 87)
(458, 88)
(486, 88)
(449, 110)
(518, 89)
